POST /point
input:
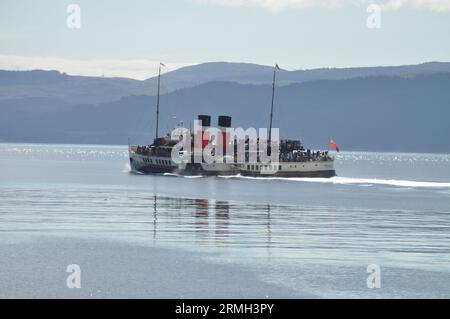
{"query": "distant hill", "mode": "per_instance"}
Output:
(71, 89)
(247, 73)
(385, 113)
(92, 90)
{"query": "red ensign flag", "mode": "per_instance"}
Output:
(334, 145)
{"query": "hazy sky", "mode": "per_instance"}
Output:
(127, 38)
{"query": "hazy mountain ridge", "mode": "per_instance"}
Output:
(261, 74)
(82, 89)
(389, 113)
(71, 89)
(247, 73)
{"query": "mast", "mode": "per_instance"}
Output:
(273, 95)
(157, 99)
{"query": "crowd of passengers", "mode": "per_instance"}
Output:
(304, 156)
(290, 151)
(154, 151)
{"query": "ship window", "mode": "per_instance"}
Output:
(279, 167)
(248, 167)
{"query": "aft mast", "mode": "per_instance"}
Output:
(273, 96)
(157, 99)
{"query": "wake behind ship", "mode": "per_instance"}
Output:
(293, 159)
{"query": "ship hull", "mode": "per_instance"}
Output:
(155, 165)
(309, 174)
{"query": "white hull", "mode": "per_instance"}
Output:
(153, 164)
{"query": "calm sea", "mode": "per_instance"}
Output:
(318, 235)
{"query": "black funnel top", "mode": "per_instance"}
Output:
(224, 121)
(206, 120)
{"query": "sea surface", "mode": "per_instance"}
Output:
(313, 235)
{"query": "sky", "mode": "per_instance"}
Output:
(129, 38)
